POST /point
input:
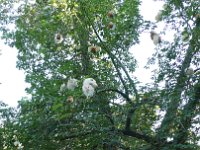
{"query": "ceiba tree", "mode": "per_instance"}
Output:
(62, 39)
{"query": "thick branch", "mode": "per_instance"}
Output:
(134, 106)
(133, 109)
(83, 37)
(172, 109)
(188, 114)
(148, 139)
(119, 92)
(76, 135)
(129, 118)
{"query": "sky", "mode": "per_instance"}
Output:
(12, 80)
(12, 87)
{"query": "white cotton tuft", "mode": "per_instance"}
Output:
(88, 90)
(62, 87)
(16, 143)
(189, 71)
(20, 146)
(88, 87)
(58, 38)
(70, 99)
(155, 37)
(94, 49)
(111, 14)
(90, 81)
(111, 25)
(72, 84)
(158, 16)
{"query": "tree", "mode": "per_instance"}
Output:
(59, 40)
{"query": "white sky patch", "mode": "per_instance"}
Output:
(146, 48)
(149, 9)
(12, 87)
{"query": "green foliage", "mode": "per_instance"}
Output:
(110, 119)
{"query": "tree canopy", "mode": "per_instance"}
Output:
(60, 40)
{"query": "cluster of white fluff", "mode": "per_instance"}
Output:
(71, 85)
(111, 15)
(58, 38)
(70, 99)
(88, 87)
(18, 144)
(94, 49)
(189, 71)
(155, 37)
(158, 16)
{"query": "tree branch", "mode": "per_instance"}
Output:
(129, 118)
(127, 74)
(148, 139)
(132, 110)
(119, 92)
(172, 108)
(134, 106)
(188, 114)
(76, 135)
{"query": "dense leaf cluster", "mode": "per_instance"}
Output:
(121, 115)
